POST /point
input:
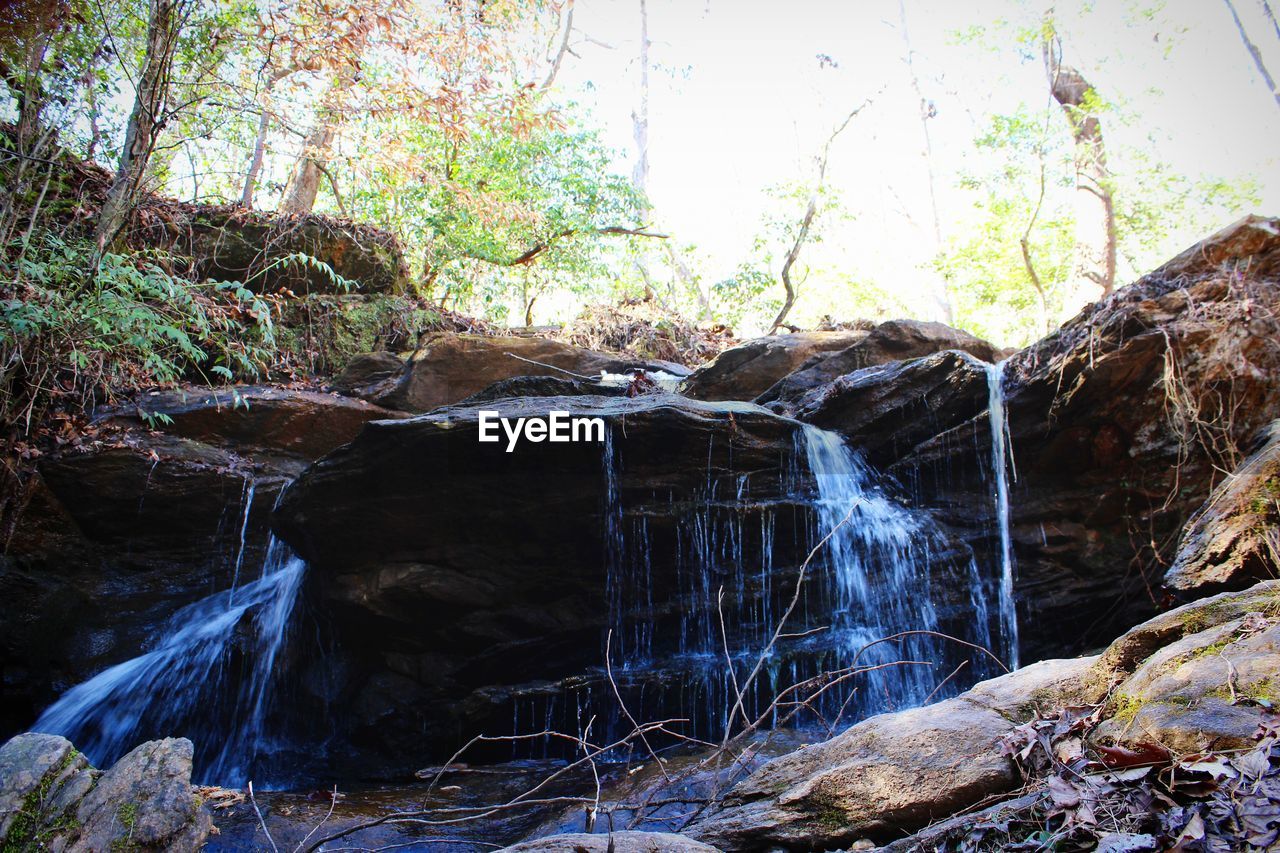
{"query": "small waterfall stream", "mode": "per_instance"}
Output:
(208, 677)
(874, 578)
(1001, 464)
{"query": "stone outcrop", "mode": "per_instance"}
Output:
(1198, 677)
(458, 581)
(1234, 539)
(449, 367)
(52, 799)
(748, 370)
(261, 420)
(895, 340)
(1119, 423)
(261, 250)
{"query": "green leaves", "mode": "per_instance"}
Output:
(69, 331)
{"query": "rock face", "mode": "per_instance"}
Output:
(115, 538)
(301, 424)
(1119, 425)
(1198, 677)
(896, 340)
(1234, 539)
(450, 367)
(230, 243)
(50, 798)
(748, 370)
(459, 581)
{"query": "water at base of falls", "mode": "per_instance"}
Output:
(208, 677)
(1001, 462)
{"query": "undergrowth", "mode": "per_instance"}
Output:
(72, 335)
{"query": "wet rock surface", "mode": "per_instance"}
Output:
(118, 535)
(50, 798)
(1198, 678)
(890, 773)
(458, 582)
(616, 842)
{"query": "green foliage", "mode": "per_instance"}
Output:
(67, 331)
(505, 215)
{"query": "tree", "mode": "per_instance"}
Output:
(1254, 53)
(1094, 264)
(927, 111)
(806, 220)
(148, 118)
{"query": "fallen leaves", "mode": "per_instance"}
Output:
(1135, 797)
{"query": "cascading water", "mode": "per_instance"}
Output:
(1001, 463)
(879, 557)
(714, 554)
(208, 677)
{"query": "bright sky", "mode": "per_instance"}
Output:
(738, 103)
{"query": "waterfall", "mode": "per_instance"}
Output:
(880, 557)
(250, 485)
(208, 676)
(714, 553)
(1001, 463)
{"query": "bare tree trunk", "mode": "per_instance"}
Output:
(145, 122)
(1093, 272)
(806, 222)
(558, 60)
(259, 142)
(927, 111)
(640, 116)
(1253, 49)
(690, 283)
(1024, 242)
(304, 183)
(640, 132)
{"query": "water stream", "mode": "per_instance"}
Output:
(874, 578)
(208, 677)
(1002, 464)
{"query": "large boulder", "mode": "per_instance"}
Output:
(1198, 678)
(1119, 427)
(1233, 541)
(50, 798)
(894, 772)
(466, 583)
(449, 367)
(895, 340)
(291, 422)
(748, 370)
(261, 250)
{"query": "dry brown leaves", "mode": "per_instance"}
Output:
(1132, 799)
(645, 329)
